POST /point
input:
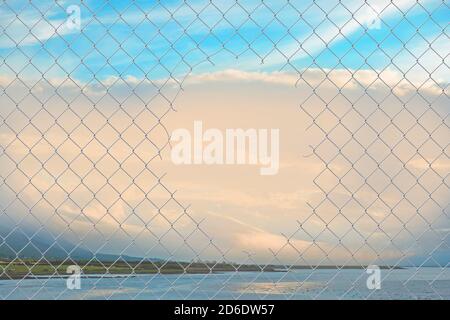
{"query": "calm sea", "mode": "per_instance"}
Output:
(410, 283)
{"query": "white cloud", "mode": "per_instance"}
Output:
(31, 28)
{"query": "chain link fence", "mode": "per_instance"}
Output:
(86, 91)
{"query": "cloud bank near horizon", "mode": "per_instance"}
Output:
(99, 182)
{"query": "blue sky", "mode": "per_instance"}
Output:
(127, 43)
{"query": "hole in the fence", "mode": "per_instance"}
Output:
(244, 210)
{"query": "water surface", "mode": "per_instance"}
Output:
(410, 283)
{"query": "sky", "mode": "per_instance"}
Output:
(276, 31)
(254, 64)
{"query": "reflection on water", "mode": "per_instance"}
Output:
(96, 293)
(284, 288)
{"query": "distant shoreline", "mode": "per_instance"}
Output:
(31, 269)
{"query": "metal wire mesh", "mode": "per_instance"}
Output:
(83, 111)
